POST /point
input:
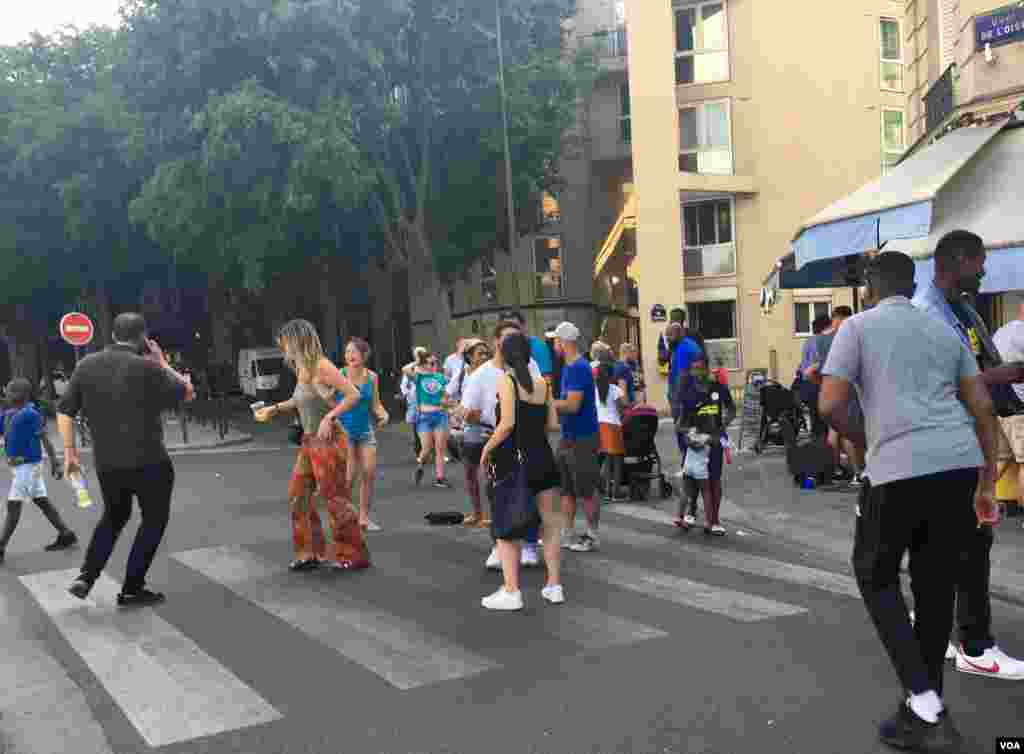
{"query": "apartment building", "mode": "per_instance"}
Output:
(746, 118)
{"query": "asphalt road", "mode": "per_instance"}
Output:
(668, 642)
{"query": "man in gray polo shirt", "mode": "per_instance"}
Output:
(929, 429)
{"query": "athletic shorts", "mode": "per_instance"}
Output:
(434, 421)
(28, 483)
(579, 468)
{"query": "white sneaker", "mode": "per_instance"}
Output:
(569, 538)
(993, 662)
(689, 520)
(529, 557)
(678, 475)
(493, 561)
(502, 600)
(951, 652)
(586, 543)
(371, 526)
(718, 530)
(553, 594)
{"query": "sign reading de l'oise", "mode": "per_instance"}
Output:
(999, 27)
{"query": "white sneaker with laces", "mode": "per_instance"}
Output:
(529, 557)
(993, 662)
(502, 600)
(689, 520)
(493, 561)
(951, 651)
(553, 594)
(718, 530)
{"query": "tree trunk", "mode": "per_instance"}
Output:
(330, 330)
(222, 324)
(24, 347)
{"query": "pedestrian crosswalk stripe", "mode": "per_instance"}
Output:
(664, 586)
(396, 649)
(167, 687)
(572, 622)
(42, 709)
(756, 565)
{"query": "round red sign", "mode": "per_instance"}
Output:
(76, 329)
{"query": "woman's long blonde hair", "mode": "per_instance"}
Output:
(302, 345)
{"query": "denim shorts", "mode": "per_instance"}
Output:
(434, 421)
(368, 438)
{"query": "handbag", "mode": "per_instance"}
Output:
(513, 510)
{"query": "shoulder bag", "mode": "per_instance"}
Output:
(513, 510)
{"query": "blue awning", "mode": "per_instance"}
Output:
(1004, 270)
(909, 201)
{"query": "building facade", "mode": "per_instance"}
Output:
(745, 121)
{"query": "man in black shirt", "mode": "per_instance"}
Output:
(124, 390)
(959, 270)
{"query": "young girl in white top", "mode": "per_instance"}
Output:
(611, 401)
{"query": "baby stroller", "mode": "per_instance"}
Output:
(782, 416)
(642, 464)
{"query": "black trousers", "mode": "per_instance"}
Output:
(973, 605)
(152, 486)
(933, 518)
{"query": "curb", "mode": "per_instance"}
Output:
(178, 448)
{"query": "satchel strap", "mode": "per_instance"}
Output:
(515, 416)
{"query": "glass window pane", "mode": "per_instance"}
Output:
(686, 21)
(822, 309)
(689, 163)
(892, 130)
(688, 138)
(706, 219)
(713, 31)
(627, 131)
(691, 237)
(715, 162)
(892, 76)
(802, 316)
(684, 70)
(693, 263)
(714, 320)
(624, 99)
(890, 40)
(711, 66)
(724, 211)
(720, 260)
(716, 125)
(724, 353)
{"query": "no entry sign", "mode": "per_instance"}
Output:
(76, 329)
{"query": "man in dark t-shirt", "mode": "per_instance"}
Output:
(123, 390)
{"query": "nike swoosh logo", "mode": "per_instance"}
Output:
(993, 669)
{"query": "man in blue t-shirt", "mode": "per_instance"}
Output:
(578, 449)
(24, 431)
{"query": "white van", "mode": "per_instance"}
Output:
(260, 371)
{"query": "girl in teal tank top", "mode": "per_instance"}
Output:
(358, 426)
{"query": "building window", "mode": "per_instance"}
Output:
(702, 43)
(715, 321)
(805, 312)
(489, 278)
(892, 55)
(893, 137)
(550, 209)
(708, 245)
(705, 138)
(547, 261)
(625, 114)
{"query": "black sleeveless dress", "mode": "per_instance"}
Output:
(531, 431)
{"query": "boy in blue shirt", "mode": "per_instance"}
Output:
(24, 431)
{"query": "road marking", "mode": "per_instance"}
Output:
(396, 649)
(664, 586)
(42, 708)
(572, 622)
(168, 688)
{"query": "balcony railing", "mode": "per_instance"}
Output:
(610, 43)
(940, 100)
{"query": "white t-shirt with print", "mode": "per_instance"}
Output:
(480, 390)
(608, 412)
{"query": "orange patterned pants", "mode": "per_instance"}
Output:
(322, 465)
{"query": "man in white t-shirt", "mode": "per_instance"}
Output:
(454, 364)
(480, 406)
(1009, 340)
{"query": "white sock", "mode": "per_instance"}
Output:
(926, 706)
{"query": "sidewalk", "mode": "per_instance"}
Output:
(760, 495)
(199, 437)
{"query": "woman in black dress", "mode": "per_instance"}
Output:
(525, 415)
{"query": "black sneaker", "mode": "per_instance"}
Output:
(141, 598)
(419, 475)
(80, 587)
(2, 553)
(442, 484)
(63, 542)
(905, 730)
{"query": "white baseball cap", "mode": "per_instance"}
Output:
(565, 331)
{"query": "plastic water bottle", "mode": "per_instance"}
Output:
(81, 490)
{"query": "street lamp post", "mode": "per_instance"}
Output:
(510, 206)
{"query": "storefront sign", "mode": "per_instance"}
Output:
(658, 313)
(999, 27)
